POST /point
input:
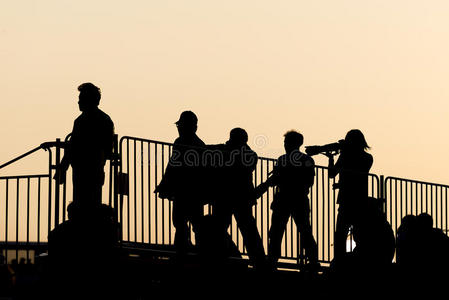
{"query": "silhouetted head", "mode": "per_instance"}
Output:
(89, 97)
(187, 123)
(71, 210)
(238, 137)
(292, 141)
(424, 221)
(355, 141)
(408, 222)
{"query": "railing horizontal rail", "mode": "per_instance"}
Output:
(23, 176)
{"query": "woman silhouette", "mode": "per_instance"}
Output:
(353, 166)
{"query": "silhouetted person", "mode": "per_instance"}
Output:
(183, 180)
(374, 237)
(407, 242)
(292, 175)
(83, 253)
(6, 278)
(236, 197)
(353, 166)
(422, 256)
(89, 147)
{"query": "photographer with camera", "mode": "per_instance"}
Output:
(352, 166)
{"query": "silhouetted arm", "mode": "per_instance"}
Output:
(310, 173)
(271, 181)
(334, 169)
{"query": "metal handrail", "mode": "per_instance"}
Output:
(21, 156)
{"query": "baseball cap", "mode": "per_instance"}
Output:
(187, 117)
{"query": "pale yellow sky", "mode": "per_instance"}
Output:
(321, 67)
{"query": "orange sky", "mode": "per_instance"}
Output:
(321, 67)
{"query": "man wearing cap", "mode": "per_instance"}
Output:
(88, 149)
(182, 180)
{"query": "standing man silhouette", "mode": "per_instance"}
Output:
(293, 175)
(182, 181)
(88, 149)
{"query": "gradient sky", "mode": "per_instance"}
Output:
(322, 67)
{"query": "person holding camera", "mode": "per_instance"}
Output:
(292, 177)
(352, 166)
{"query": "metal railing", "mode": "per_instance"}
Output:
(146, 218)
(411, 197)
(32, 205)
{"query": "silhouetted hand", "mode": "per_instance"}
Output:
(330, 155)
(60, 175)
(162, 193)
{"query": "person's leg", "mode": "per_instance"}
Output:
(301, 217)
(182, 240)
(279, 219)
(341, 234)
(195, 213)
(251, 237)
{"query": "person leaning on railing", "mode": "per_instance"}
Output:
(352, 166)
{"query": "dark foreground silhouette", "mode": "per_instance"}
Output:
(83, 252)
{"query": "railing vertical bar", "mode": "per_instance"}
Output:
(334, 195)
(401, 204)
(156, 221)
(111, 182)
(163, 200)
(170, 207)
(49, 189)
(256, 215)
(17, 216)
(406, 198)
(445, 201)
(317, 210)
(416, 199)
(6, 218)
(431, 198)
(390, 205)
(421, 198)
(268, 206)
(64, 200)
(323, 186)
(411, 199)
(38, 210)
(440, 206)
(150, 193)
(135, 190)
(127, 198)
(396, 205)
(142, 195)
(28, 219)
(328, 217)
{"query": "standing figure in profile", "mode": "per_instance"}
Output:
(353, 166)
(237, 197)
(183, 180)
(88, 149)
(292, 176)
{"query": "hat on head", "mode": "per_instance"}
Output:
(187, 117)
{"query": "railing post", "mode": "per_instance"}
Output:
(382, 193)
(57, 180)
(115, 165)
